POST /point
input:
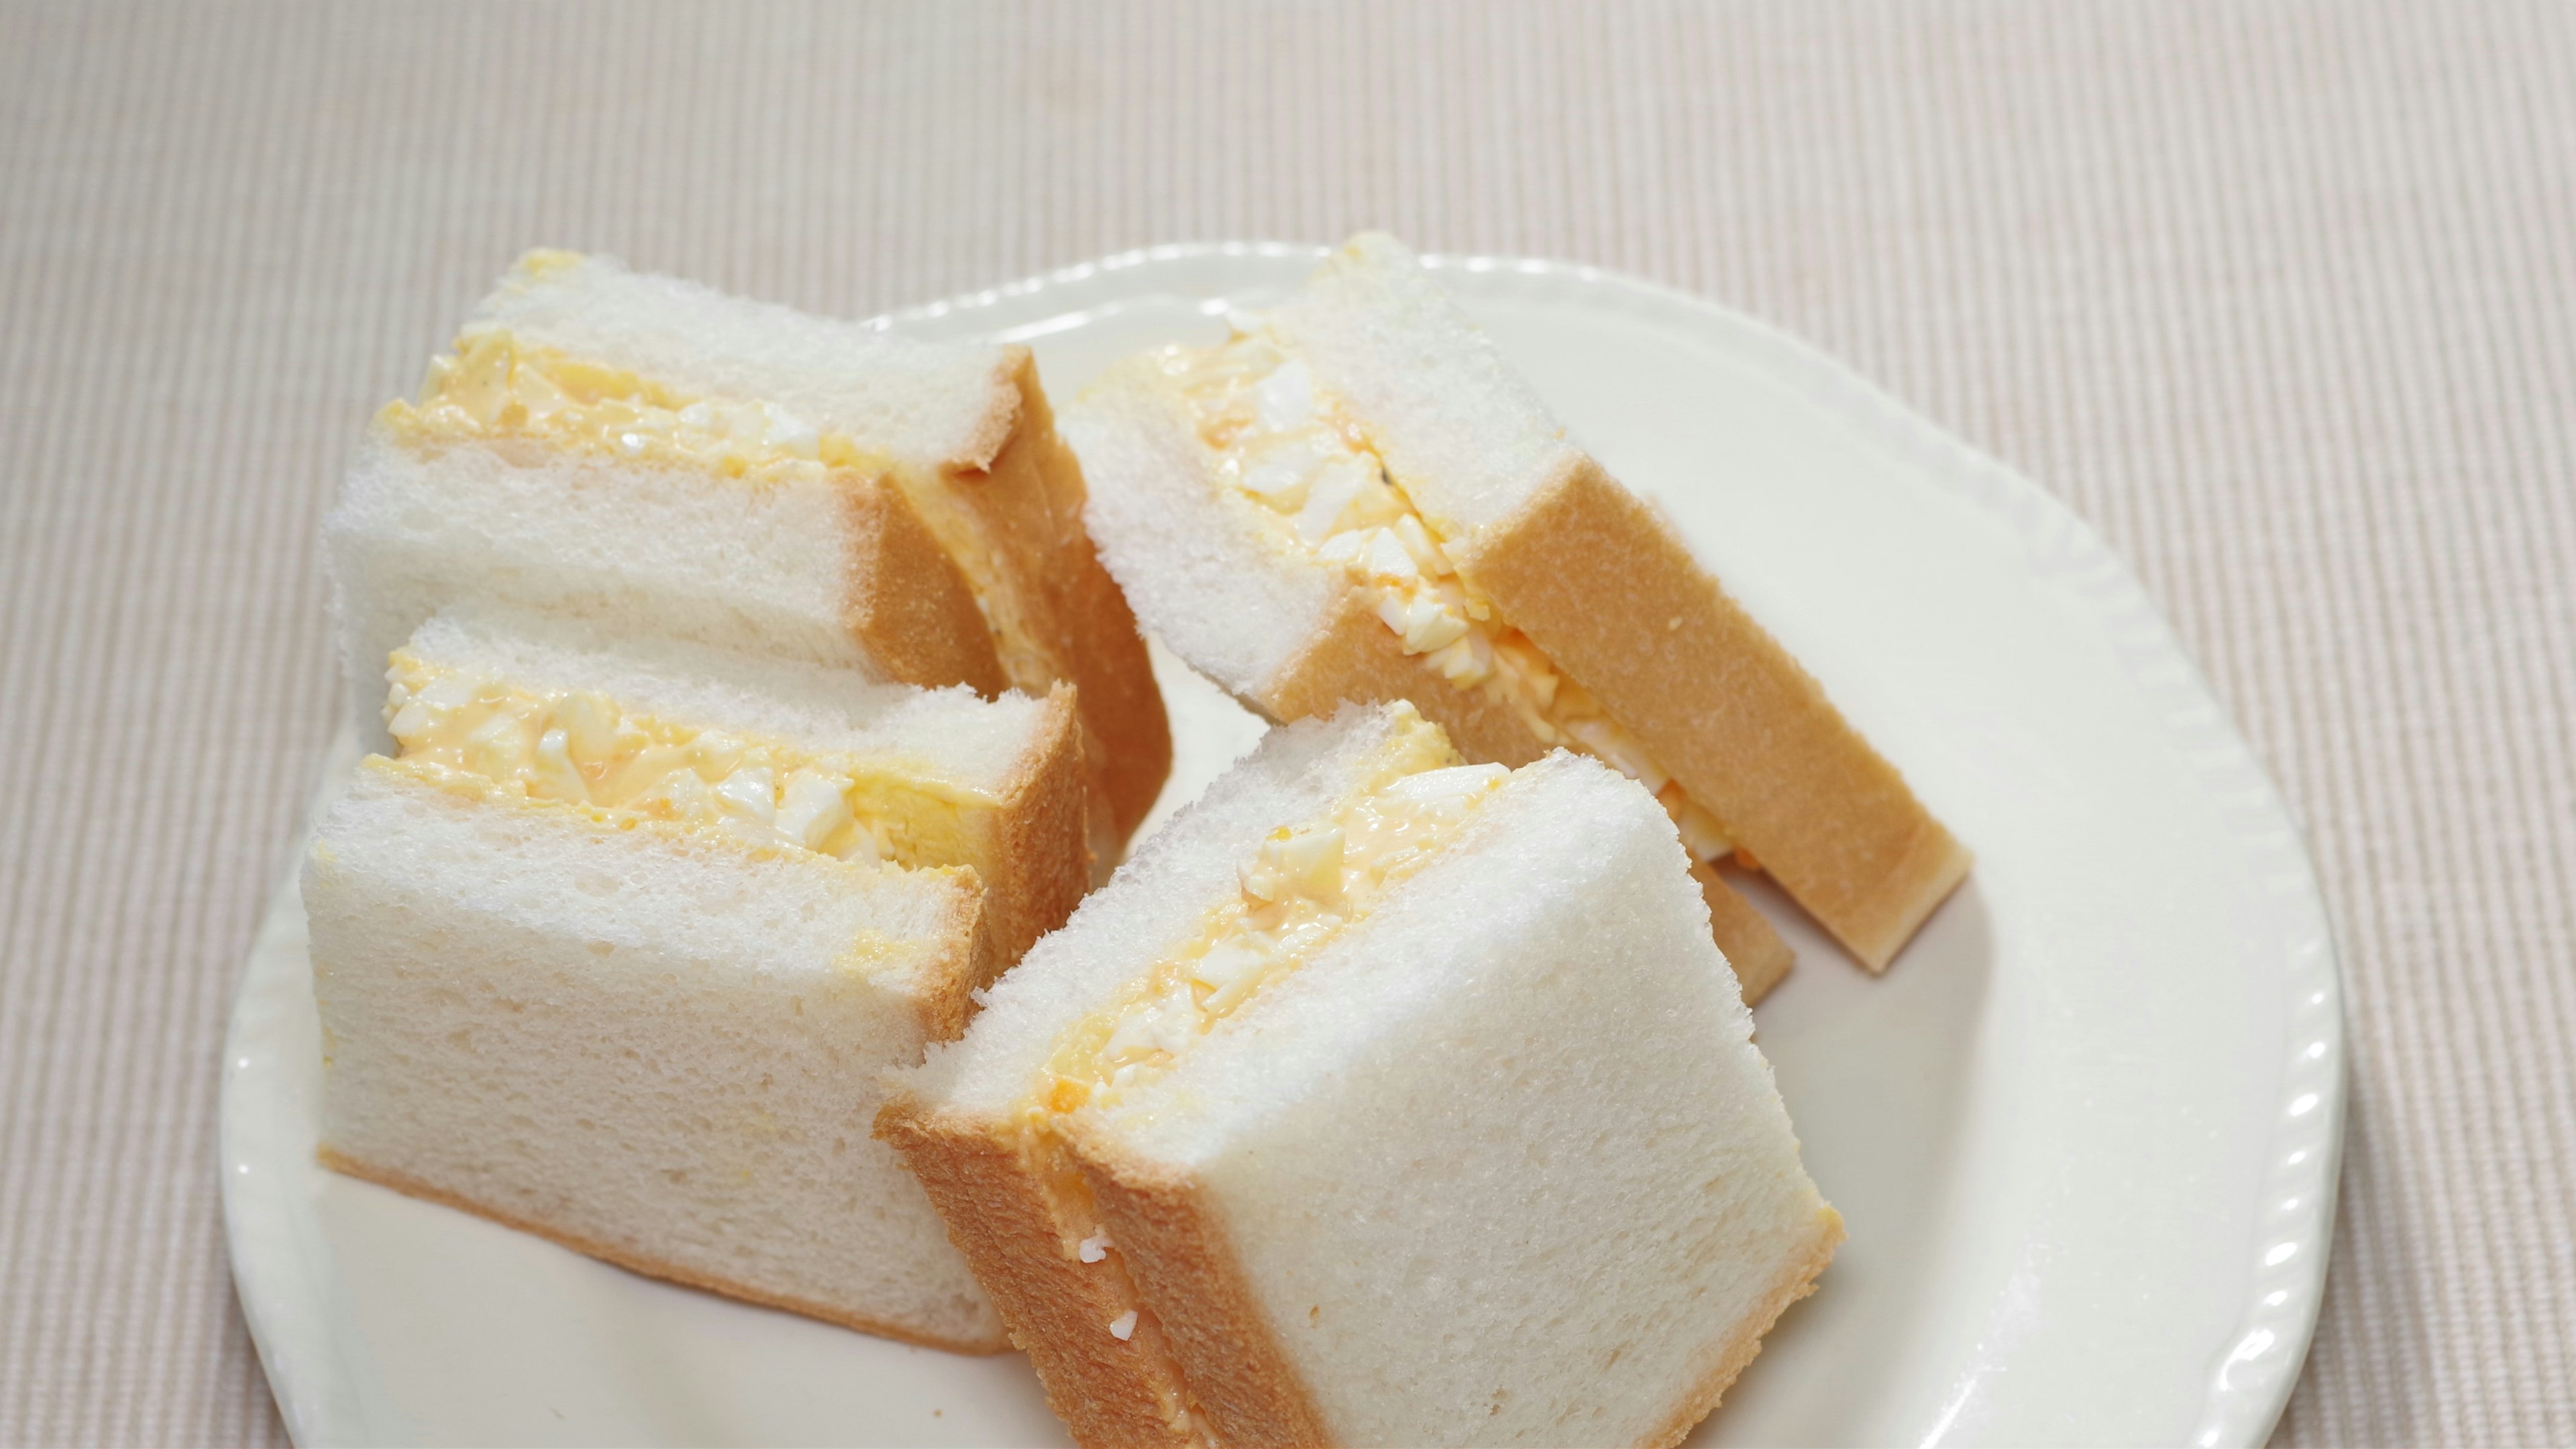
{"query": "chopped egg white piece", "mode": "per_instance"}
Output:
(1307, 860)
(812, 808)
(1330, 491)
(553, 776)
(1286, 398)
(749, 801)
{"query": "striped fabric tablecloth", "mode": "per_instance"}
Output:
(2281, 297)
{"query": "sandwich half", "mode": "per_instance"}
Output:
(615, 948)
(613, 445)
(1380, 1099)
(1355, 497)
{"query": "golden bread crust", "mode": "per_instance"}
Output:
(1751, 946)
(1027, 506)
(645, 1263)
(1238, 1378)
(1356, 657)
(1016, 1217)
(1037, 842)
(969, 957)
(904, 600)
(1748, 732)
(1795, 1282)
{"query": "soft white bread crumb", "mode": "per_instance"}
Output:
(953, 734)
(1500, 1164)
(1195, 560)
(659, 1047)
(927, 404)
(1466, 433)
(1154, 904)
(651, 549)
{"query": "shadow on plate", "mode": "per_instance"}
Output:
(1877, 1073)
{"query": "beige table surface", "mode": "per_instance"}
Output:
(2282, 298)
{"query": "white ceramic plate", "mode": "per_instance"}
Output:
(2084, 1132)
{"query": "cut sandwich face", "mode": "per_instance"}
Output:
(773, 753)
(1304, 885)
(1365, 1015)
(1393, 514)
(493, 386)
(580, 746)
(1292, 447)
(650, 1040)
(607, 445)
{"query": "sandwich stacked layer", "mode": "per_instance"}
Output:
(1379, 1099)
(614, 446)
(616, 946)
(1356, 498)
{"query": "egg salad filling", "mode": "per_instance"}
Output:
(1281, 441)
(1305, 885)
(579, 747)
(493, 383)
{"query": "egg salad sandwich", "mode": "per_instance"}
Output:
(614, 947)
(1356, 497)
(608, 444)
(1380, 1098)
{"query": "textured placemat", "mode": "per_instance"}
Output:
(2282, 298)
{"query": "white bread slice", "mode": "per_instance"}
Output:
(1010, 768)
(929, 405)
(653, 1045)
(1590, 573)
(662, 550)
(960, 558)
(1499, 1163)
